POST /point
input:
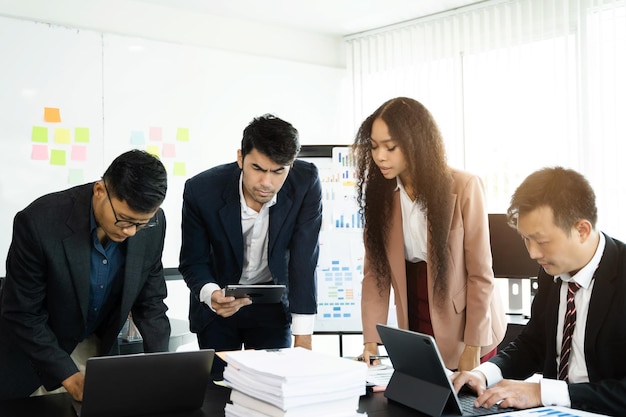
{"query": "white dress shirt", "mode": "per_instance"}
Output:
(554, 392)
(414, 226)
(255, 226)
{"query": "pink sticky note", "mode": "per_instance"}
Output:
(39, 153)
(79, 153)
(169, 150)
(156, 134)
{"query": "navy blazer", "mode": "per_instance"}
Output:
(212, 239)
(534, 350)
(45, 296)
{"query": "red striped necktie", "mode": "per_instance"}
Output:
(568, 330)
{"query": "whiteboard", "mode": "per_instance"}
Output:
(54, 68)
(106, 94)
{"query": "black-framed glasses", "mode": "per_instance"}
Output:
(125, 224)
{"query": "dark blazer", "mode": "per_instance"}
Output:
(212, 241)
(534, 350)
(45, 296)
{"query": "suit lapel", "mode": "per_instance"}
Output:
(135, 251)
(604, 290)
(551, 322)
(278, 214)
(230, 216)
(77, 247)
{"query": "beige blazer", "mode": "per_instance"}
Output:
(472, 313)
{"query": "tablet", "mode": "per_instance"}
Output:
(266, 294)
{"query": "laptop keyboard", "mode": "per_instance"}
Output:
(467, 406)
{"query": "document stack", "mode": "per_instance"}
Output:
(293, 382)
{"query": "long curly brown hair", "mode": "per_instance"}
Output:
(416, 133)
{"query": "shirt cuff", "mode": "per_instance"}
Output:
(206, 291)
(491, 372)
(555, 393)
(302, 324)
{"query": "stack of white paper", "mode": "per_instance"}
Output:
(293, 382)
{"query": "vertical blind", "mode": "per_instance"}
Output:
(515, 86)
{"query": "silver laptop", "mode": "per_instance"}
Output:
(420, 379)
(145, 383)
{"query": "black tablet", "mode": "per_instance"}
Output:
(266, 294)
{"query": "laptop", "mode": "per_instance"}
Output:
(420, 379)
(145, 383)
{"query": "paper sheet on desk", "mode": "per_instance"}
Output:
(379, 375)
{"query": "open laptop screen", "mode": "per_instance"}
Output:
(145, 383)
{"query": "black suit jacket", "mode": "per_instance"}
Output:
(534, 350)
(212, 240)
(44, 300)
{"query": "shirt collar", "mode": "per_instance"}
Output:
(585, 275)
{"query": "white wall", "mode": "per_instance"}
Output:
(136, 18)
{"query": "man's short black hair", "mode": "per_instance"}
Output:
(139, 179)
(273, 137)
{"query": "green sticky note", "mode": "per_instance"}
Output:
(81, 135)
(182, 134)
(57, 157)
(180, 169)
(40, 134)
(76, 176)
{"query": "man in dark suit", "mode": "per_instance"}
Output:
(79, 262)
(555, 213)
(256, 221)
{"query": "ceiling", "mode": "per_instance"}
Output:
(329, 17)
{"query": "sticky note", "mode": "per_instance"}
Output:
(81, 135)
(76, 176)
(39, 134)
(62, 135)
(57, 157)
(180, 169)
(153, 150)
(182, 134)
(39, 153)
(156, 134)
(169, 150)
(137, 137)
(79, 153)
(51, 115)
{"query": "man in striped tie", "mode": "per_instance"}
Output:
(576, 336)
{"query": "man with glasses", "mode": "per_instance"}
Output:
(80, 261)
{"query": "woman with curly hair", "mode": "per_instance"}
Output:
(426, 236)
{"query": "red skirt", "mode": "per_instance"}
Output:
(417, 296)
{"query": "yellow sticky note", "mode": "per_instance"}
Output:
(180, 169)
(62, 135)
(57, 157)
(51, 115)
(39, 134)
(81, 135)
(182, 134)
(154, 150)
